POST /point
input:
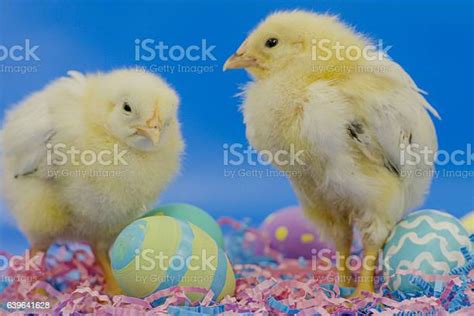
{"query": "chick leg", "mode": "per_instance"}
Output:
(35, 250)
(38, 252)
(375, 222)
(337, 229)
(343, 248)
(39, 245)
(111, 286)
(366, 276)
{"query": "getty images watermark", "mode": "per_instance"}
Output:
(319, 260)
(244, 161)
(171, 58)
(11, 267)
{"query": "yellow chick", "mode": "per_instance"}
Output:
(320, 90)
(88, 154)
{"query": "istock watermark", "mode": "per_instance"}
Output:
(420, 161)
(197, 57)
(333, 56)
(21, 263)
(238, 154)
(415, 154)
(19, 52)
(149, 49)
(155, 261)
(19, 58)
(149, 260)
(326, 49)
(243, 161)
(61, 154)
(69, 161)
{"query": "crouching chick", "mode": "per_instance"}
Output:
(88, 154)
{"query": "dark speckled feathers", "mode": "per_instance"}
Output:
(357, 132)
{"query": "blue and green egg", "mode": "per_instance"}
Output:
(192, 214)
(158, 252)
(426, 241)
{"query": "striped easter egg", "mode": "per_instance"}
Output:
(158, 252)
(426, 241)
(468, 222)
(192, 214)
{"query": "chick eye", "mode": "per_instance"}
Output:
(271, 42)
(126, 107)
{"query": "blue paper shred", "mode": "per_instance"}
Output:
(274, 303)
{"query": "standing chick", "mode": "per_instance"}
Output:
(88, 154)
(351, 117)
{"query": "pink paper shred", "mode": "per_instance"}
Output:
(70, 280)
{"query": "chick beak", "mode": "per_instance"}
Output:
(240, 59)
(152, 130)
(151, 133)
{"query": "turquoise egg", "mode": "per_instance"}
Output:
(194, 215)
(427, 241)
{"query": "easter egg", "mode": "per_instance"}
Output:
(468, 222)
(427, 241)
(158, 252)
(292, 234)
(194, 215)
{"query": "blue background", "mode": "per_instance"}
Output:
(432, 40)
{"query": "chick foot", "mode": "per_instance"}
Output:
(343, 246)
(39, 251)
(346, 279)
(366, 277)
(362, 288)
